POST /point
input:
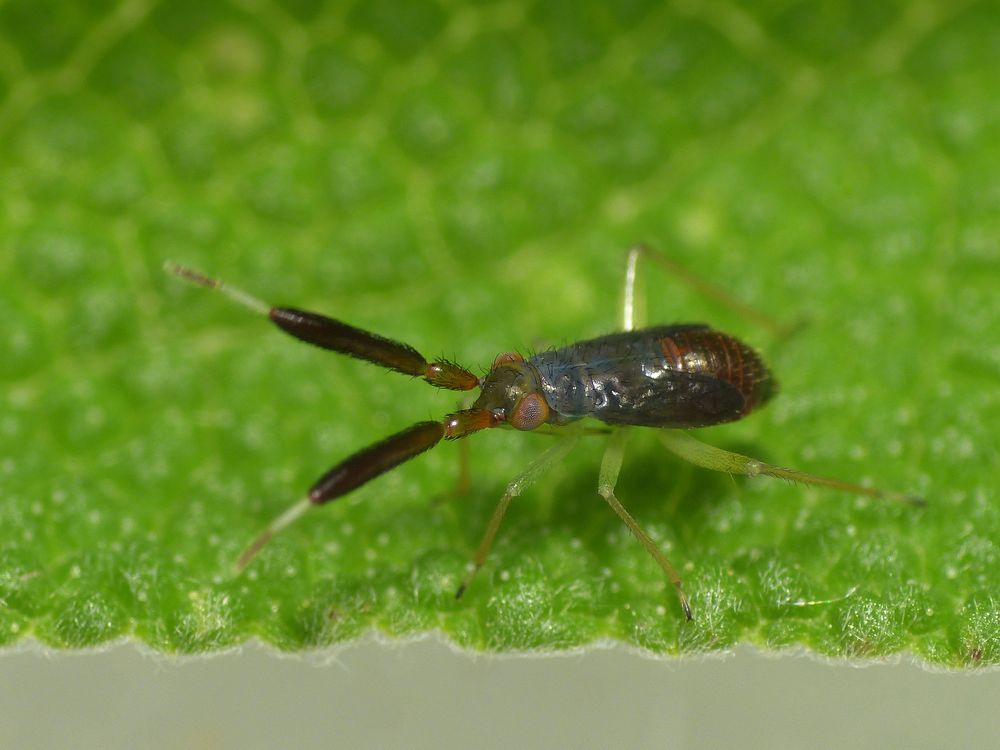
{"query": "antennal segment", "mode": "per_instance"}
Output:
(351, 473)
(368, 463)
(234, 293)
(334, 335)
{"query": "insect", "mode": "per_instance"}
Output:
(669, 377)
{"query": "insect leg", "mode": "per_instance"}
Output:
(629, 322)
(705, 287)
(552, 455)
(464, 478)
(611, 465)
(716, 459)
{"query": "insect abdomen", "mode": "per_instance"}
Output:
(666, 376)
(709, 352)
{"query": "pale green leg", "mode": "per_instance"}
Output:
(611, 465)
(632, 302)
(632, 307)
(716, 459)
(464, 479)
(553, 455)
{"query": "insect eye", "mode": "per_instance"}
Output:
(530, 412)
(505, 358)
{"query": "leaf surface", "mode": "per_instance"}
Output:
(466, 178)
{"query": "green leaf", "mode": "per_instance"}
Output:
(466, 178)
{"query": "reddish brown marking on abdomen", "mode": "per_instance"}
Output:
(707, 352)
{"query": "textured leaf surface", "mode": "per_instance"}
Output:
(466, 177)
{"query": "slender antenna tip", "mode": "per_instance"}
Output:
(189, 274)
(235, 294)
(273, 528)
(250, 552)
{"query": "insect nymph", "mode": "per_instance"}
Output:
(666, 377)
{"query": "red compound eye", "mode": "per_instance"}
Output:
(530, 412)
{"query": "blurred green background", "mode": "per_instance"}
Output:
(466, 177)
